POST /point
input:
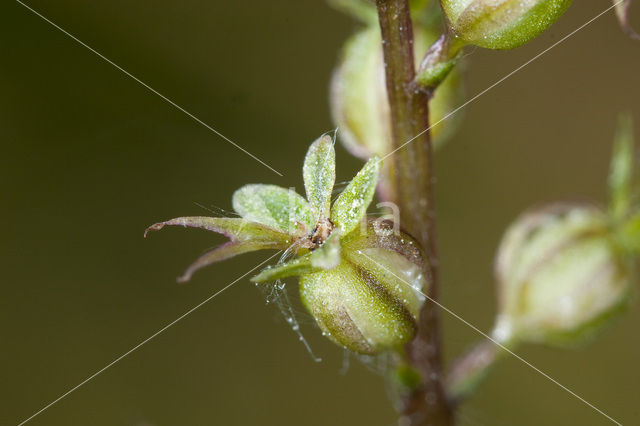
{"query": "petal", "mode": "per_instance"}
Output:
(319, 172)
(298, 266)
(273, 206)
(352, 204)
(224, 252)
(237, 230)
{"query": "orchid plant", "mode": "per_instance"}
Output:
(562, 272)
(360, 279)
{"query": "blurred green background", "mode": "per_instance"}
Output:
(90, 158)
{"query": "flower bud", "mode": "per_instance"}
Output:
(364, 303)
(501, 24)
(358, 97)
(560, 276)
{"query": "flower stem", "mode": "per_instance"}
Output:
(471, 369)
(412, 179)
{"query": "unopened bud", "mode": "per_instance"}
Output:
(560, 276)
(359, 102)
(501, 24)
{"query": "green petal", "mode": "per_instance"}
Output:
(352, 204)
(319, 172)
(298, 266)
(273, 206)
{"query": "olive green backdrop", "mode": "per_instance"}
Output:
(90, 157)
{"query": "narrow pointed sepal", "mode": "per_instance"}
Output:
(224, 252)
(319, 173)
(237, 230)
(351, 206)
(243, 237)
(275, 207)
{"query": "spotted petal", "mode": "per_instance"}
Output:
(275, 207)
(351, 206)
(319, 172)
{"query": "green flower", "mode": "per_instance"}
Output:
(353, 271)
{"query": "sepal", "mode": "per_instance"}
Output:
(319, 173)
(275, 207)
(244, 237)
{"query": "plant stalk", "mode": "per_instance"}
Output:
(427, 404)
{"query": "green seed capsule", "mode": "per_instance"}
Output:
(501, 24)
(560, 276)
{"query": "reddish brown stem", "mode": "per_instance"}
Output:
(412, 180)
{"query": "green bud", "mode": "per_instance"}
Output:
(358, 97)
(560, 276)
(501, 24)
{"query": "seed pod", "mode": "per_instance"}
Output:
(501, 24)
(365, 303)
(560, 276)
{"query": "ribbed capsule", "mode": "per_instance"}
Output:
(560, 276)
(369, 302)
(501, 24)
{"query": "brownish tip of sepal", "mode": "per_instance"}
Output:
(155, 227)
(184, 278)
